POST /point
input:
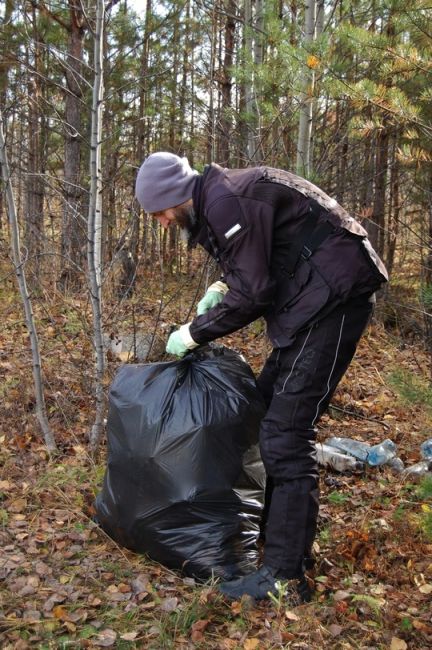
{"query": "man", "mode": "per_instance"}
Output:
(289, 253)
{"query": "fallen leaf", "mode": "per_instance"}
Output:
(426, 589)
(236, 607)
(229, 644)
(197, 630)
(251, 644)
(423, 627)
(149, 605)
(169, 604)
(31, 615)
(52, 600)
(334, 629)
(140, 584)
(18, 505)
(398, 644)
(105, 638)
(129, 636)
(341, 606)
(341, 595)
(201, 624)
(291, 616)
(70, 626)
(205, 595)
(60, 612)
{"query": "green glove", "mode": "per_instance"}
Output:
(180, 342)
(215, 294)
(175, 345)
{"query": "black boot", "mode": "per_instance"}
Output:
(260, 583)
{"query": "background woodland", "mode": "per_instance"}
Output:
(339, 92)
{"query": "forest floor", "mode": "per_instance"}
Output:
(64, 583)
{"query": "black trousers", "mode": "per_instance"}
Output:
(298, 382)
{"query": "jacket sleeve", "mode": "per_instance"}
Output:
(243, 229)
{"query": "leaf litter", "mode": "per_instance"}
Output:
(64, 582)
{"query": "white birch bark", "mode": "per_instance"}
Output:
(94, 232)
(18, 262)
(304, 158)
(319, 26)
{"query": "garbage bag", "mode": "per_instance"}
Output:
(184, 480)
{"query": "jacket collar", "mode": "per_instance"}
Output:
(199, 234)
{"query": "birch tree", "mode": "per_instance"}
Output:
(5, 64)
(94, 231)
(304, 159)
(19, 263)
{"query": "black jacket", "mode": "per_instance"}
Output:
(253, 222)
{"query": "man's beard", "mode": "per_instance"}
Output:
(186, 219)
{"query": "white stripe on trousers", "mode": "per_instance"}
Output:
(331, 371)
(295, 361)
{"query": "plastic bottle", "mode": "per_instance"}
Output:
(423, 468)
(373, 455)
(426, 449)
(396, 464)
(356, 448)
(382, 453)
(330, 457)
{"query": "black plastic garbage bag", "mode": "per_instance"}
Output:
(184, 482)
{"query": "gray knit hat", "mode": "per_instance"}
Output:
(164, 181)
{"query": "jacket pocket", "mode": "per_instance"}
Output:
(305, 306)
(290, 288)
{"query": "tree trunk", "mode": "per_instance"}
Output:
(142, 144)
(18, 263)
(5, 65)
(94, 233)
(34, 204)
(211, 136)
(376, 226)
(226, 83)
(394, 211)
(304, 158)
(248, 86)
(73, 234)
(427, 282)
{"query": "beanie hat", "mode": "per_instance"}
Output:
(164, 181)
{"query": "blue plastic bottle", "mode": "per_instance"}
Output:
(382, 453)
(426, 449)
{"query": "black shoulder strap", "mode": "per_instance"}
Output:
(309, 238)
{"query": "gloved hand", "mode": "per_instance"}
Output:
(213, 297)
(180, 342)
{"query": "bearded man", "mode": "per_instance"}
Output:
(290, 253)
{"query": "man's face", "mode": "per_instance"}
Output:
(165, 217)
(182, 215)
